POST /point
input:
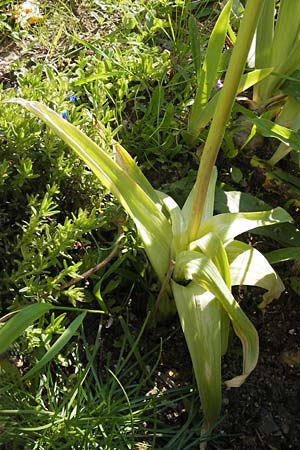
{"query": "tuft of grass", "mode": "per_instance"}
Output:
(103, 401)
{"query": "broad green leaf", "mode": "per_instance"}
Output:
(285, 234)
(294, 282)
(151, 223)
(230, 225)
(283, 254)
(291, 87)
(249, 267)
(191, 265)
(236, 201)
(15, 326)
(267, 128)
(200, 318)
(57, 346)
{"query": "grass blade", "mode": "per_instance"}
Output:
(270, 129)
(195, 45)
(57, 346)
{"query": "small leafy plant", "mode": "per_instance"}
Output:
(193, 253)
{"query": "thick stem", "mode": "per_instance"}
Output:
(223, 110)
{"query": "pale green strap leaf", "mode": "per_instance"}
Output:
(57, 346)
(200, 318)
(177, 221)
(129, 165)
(151, 223)
(213, 55)
(286, 31)
(263, 45)
(211, 245)
(249, 267)
(230, 225)
(191, 265)
(285, 45)
(15, 326)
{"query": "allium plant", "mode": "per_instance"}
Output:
(193, 252)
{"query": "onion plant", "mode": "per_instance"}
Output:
(192, 251)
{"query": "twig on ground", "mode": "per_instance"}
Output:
(98, 266)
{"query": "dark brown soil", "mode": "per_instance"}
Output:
(264, 413)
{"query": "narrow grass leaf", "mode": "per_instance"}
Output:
(15, 326)
(213, 56)
(57, 346)
(195, 45)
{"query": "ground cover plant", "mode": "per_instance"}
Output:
(58, 241)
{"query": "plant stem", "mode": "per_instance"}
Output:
(223, 110)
